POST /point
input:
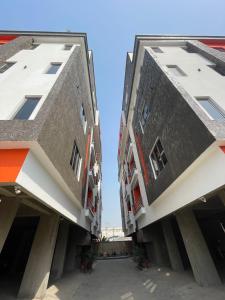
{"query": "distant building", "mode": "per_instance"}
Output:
(112, 233)
(171, 152)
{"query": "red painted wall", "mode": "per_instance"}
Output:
(4, 39)
(214, 43)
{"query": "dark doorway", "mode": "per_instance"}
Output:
(15, 253)
(211, 219)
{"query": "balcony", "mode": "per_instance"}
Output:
(134, 178)
(90, 210)
(130, 152)
(91, 178)
(130, 218)
(138, 208)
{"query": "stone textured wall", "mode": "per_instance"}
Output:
(61, 120)
(183, 135)
(11, 48)
(57, 123)
(120, 247)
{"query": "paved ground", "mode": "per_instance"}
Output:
(120, 280)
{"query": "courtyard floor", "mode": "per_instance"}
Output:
(118, 279)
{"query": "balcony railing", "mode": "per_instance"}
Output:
(137, 204)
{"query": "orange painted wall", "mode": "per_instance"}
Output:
(11, 161)
(4, 39)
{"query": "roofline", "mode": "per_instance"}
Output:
(58, 34)
(43, 33)
(144, 37)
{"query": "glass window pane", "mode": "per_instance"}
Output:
(68, 47)
(211, 109)
(175, 70)
(157, 50)
(5, 66)
(53, 68)
(27, 108)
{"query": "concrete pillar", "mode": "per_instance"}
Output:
(36, 275)
(60, 251)
(70, 261)
(8, 210)
(203, 267)
(222, 196)
(171, 243)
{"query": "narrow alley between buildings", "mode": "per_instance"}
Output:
(119, 279)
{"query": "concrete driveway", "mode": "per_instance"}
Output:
(119, 279)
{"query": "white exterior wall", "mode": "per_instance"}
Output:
(18, 82)
(206, 82)
(207, 173)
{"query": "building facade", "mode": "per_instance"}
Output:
(171, 154)
(50, 156)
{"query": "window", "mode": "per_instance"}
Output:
(76, 160)
(158, 158)
(175, 70)
(68, 47)
(188, 49)
(83, 117)
(157, 50)
(53, 68)
(218, 69)
(5, 66)
(34, 46)
(212, 109)
(27, 108)
(144, 115)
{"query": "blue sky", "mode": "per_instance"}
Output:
(111, 26)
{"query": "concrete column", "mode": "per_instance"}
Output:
(60, 251)
(171, 243)
(36, 275)
(70, 261)
(203, 267)
(8, 210)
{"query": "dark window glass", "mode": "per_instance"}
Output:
(218, 69)
(157, 50)
(158, 158)
(212, 109)
(53, 68)
(68, 47)
(27, 108)
(145, 114)
(75, 160)
(5, 66)
(83, 117)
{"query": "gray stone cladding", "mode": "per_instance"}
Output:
(172, 118)
(57, 123)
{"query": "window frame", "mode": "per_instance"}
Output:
(83, 118)
(159, 50)
(26, 98)
(68, 45)
(161, 153)
(180, 71)
(214, 104)
(141, 116)
(50, 66)
(76, 160)
(10, 63)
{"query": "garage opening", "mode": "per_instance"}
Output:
(211, 218)
(15, 253)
